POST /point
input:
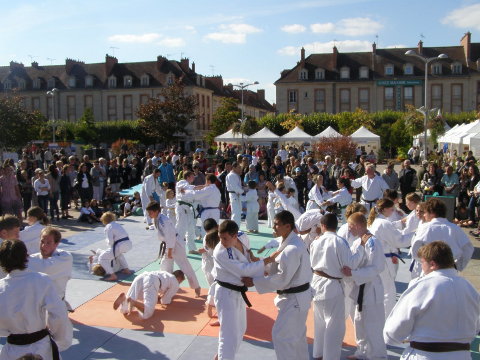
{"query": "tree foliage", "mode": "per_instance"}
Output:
(161, 118)
(342, 147)
(86, 131)
(226, 115)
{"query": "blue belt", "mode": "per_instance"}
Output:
(391, 255)
(412, 265)
(202, 209)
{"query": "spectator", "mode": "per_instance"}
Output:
(391, 177)
(166, 173)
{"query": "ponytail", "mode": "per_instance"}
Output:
(380, 206)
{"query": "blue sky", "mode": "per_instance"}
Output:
(248, 40)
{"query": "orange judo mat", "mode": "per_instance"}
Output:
(186, 315)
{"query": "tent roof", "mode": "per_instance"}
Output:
(229, 136)
(446, 128)
(364, 133)
(471, 128)
(296, 134)
(264, 135)
(328, 133)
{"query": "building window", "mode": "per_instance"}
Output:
(437, 69)
(112, 107)
(72, 82)
(388, 98)
(364, 99)
(208, 121)
(345, 100)
(170, 80)
(320, 74)
(208, 102)
(456, 68)
(51, 83)
(89, 81)
(22, 84)
(408, 69)
(37, 83)
(144, 99)
(292, 99)
(127, 81)
(87, 102)
(127, 107)
(112, 82)
(436, 96)
(145, 80)
(363, 72)
(407, 96)
(345, 73)
(320, 100)
(389, 70)
(7, 85)
(203, 101)
(305, 95)
(36, 103)
(457, 98)
(303, 75)
(71, 108)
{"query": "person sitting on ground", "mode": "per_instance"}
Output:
(147, 290)
(87, 214)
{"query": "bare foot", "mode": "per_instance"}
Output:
(112, 277)
(215, 323)
(197, 292)
(127, 271)
(120, 299)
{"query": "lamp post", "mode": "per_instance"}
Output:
(243, 86)
(52, 94)
(425, 110)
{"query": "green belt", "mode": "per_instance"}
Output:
(180, 202)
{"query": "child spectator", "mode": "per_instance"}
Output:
(87, 214)
(170, 203)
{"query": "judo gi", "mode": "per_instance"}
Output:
(291, 269)
(235, 190)
(230, 265)
(170, 205)
(185, 214)
(372, 189)
(316, 196)
(150, 189)
(270, 208)
(437, 308)
(147, 287)
(309, 220)
(286, 205)
(166, 234)
(209, 199)
(30, 303)
(118, 244)
(342, 198)
(251, 198)
(31, 237)
(328, 255)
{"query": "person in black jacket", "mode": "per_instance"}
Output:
(65, 191)
(84, 183)
(408, 182)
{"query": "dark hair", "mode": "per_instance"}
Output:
(286, 217)
(345, 182)
(252, 184)
(8, 222)
(212, 178)
(13, 255)
(179, 273)
(228, 226)
(439, 252)
(153, 206)
(212, 239)
(390, 194)
(52, 169)
(330, 221)
(37, 212)
(156, 170)
(291, 190)
(437, 207)
(234, 164)
(187, 174)
(209, 224)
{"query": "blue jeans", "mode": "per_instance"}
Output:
(43, 203)
(472, 204)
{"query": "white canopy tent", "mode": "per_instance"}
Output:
(329, 132)
(263, 137)
(296, 135)
(460, 139)
(419, 138)
(230, 137)
(367, 140)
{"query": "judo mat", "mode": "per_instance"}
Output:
(131, 190)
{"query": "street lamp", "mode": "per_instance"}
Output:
(424, 109)
(52, 94)
(243, 86)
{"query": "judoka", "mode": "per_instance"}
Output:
(235, 190)
(372, 186)
(184, 212)
(151, 191)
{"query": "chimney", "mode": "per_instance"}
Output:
(14, 65)
(302, 56)
(420, 47)
(374, 48)
(160, 60)
(110, 62)
(69, 64)
(261, 94)
(333, 65)
(466, 43)
(193, 66)
(35, 65)
(185, 64)
(217, 81)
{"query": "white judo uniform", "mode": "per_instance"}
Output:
(309, 220)
(230, 265)
(185, 214)
(342, 198)
(30, 303)
(235, 190)
(290, 269)
(31, 237)
(147, 287)
(118, 244)
(392, 239)
(286, 205)
(166, 233)
(150, 188)
(369, 322)
(438, 307)
(270, 208)
(170, 205)
(444, 230)
(329, 254)
(316, 196)
(209, 198)
(372, 189)
(253, 207)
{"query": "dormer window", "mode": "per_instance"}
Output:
(22, 84)
(320, 74)
(408, 69)
(127, 81)
(89, 81)
(72, 81)
(345, 73)
(145, 80)
(37, 83)
(170, 79)
(437, 69)
(456, 68)
(363, 72)
(7, 85)
(51, 83)
(112, 82)
(388, 70)
(303, 75)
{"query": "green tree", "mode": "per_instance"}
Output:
(226, 115)
(161, 118)
(86, 130)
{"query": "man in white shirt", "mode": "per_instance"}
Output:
(283, 153)
(372, 186)
(148, 289)
(439, 312)
(150, 192)
(184, 211)
(439, 228)
(235, 190)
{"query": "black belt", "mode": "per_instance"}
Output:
(439, 346)
(116, 242)
(163, 247)
(360, 297)
(27, 339)
(231, 192)
(295, 289)
(325, 275)
(370, 202)
(241, 289)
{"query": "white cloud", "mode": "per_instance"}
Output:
(351, 26)
(132, 38)
(326, 47)
(237, 81)
(172, 42)
(322, 28)
(396, 46)
(233, 33)
(294, 29)
(464, 17)
(191, 29)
